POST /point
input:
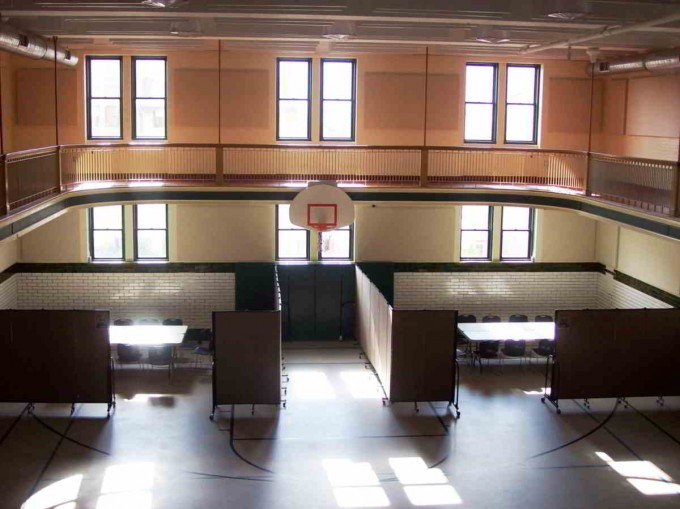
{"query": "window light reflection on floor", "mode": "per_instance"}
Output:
(538, 392)
(133, 500)
(354, 484)
(415, 471)
(143, 398)
(361, 497)
(311, 385)
(361, 385)
(440, 494)
(645, 476)
(62, 492)
(69, 505)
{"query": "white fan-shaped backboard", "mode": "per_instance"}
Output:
(322, 207)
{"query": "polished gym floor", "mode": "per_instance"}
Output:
(335, 445)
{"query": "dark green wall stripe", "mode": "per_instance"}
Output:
(121, 267)
(381, 274)
(645, 223)
(646, 288)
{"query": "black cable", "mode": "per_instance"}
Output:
(232, 445)
(657, 426)
(14, 423)
(439, 418)
(596, 428)
(611, 433)
(232, 477)
(65, 437)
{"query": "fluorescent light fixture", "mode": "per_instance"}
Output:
(490, 35)
(566, 10)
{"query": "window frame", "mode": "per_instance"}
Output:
(353, 100)
(494, 103)
(489, 231)
(279, 98)
(92, 229)
(276, 240)
(530, 241)
(136, 229)
(535, 104)
(88, 95)
(351, 246)
(134, 97)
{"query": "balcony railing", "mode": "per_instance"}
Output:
(31, 175)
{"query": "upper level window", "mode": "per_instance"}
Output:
(106, 233)
(481, 83)
(292, 242)
(149, 91)
(104, 106)
(151, 231)
(517, 228)
(336, 244)
(293, 94)
(475, 232)
(338, 102)
(521, 104)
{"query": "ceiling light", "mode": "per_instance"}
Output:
(490, 35)
(566, 10)
(163, 3)
(340, 31)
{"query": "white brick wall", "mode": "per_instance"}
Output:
(499, 293)
(8, 294)
(613, 294)
(189, 296)
(505, 293)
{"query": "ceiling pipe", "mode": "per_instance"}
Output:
(653, 62)
(33, 46)
(605, 32)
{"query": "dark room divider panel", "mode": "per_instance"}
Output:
(423, 355)
(616, 353)
(247, 368)
(55, 357)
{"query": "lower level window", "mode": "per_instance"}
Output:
(475, 232)
(151, 231)
(336, 244)
(292, 242)
(106, 233)
(517, 233)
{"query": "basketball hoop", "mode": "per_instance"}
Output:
(322, 207)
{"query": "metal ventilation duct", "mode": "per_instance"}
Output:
(654, 62)
(33, 46)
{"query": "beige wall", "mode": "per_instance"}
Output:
(62, 240)
(404, 233)
(607, 244)
(225, 232)
(564, 237)
(9, 253)
(652, 259)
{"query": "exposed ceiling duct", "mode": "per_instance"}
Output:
(654, 62)
(33, 46)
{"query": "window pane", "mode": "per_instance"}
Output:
(475, 217)
(284, 218)
(107, 218)
(519, 123)
(479, 83)
(293, 244)
(150, 118)
(151, 215)
(515, 245)
(479, 122)
(335, 244)
(337, 119)
(516, 218)
(151, 244)
(337, 80)
(293, 80)
(521, 81)
(105, 118)
(150, 78)
(293, 119)
(104, 78)
(107, 244)
(474, 245)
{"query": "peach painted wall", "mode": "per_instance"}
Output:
(639, 116)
